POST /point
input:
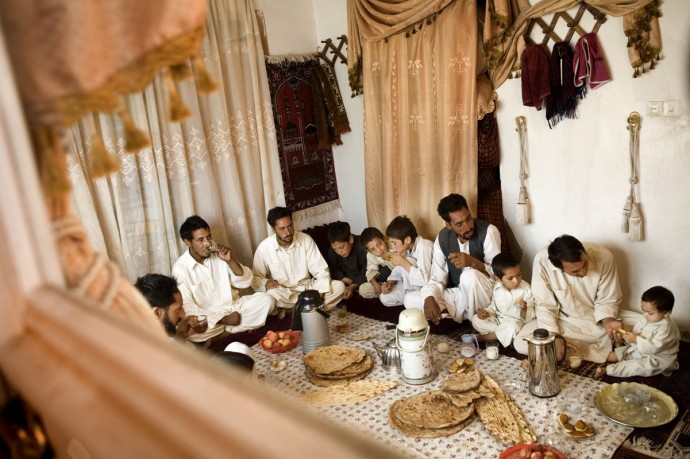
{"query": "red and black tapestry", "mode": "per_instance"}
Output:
(308, 170)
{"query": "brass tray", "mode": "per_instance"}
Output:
(609, 402)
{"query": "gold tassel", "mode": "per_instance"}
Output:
(204, 81)
(635, 233)
(636, 73)
(522, 215)
(178, 111)
(627, 208)
(53, 174)
(180, 71)
(135, 138)
(510, 75)
(102, 163)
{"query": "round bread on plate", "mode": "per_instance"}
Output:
(429, 414)
(462, 382)
(331, 359)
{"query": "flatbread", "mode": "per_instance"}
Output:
(501, 416)
(353, 370)
(429, 410)
(323, 382)
(352, 392)
(419, 432)
(330, 359)
(462, 382)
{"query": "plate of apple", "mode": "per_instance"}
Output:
(276, 342)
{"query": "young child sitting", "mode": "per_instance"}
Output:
(652, 346)
(512, 303)
(411, 259)
(378, 272)
(347, 258)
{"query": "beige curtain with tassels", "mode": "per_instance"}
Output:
(417, 64)
(71, 58)
(220, 163)
(508, 20)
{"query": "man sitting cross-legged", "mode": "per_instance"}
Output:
(209, 278)
(289, 262)
(461, 276)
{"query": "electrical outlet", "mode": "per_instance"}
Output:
(655, 108)
(671, 108)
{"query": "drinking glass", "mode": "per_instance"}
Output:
(212, 246)
(200, 325)
(492, 350)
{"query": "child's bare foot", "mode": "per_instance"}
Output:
(600, 372)
(281, 313)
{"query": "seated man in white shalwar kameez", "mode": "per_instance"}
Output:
(461, 276)
(577, 295)
(209, 279)
(289, 262)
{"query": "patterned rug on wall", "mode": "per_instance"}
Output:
(308, 170)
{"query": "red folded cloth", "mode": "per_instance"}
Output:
(589, 63)
(534, 67)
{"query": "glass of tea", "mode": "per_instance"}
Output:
(200, 325)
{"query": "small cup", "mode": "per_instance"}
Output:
(492, 350)
(575, 361)
(201, 324)
(341, 310)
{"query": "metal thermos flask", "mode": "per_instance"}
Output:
(310, 317)
(543, 365)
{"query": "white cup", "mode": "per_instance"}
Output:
(575, 361)
(492, 350)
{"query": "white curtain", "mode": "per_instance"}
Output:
(221, 163)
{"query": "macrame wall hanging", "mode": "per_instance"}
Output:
(632, 216)
(523, 212)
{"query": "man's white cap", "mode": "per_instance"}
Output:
(240, 348)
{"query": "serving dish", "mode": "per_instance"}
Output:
(656, 410)
(279, 341)
(528, 451)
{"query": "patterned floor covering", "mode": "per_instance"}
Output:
(671, 441)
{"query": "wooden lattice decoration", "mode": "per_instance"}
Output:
(572, 23)
(335, 51)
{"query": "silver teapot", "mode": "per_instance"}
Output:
(390, 356)
(543, 364)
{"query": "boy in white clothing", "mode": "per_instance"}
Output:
(512, 303)
(411, 259)
(652, 346)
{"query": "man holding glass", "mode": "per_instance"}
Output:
(209, 279)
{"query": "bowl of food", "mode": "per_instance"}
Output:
(276, 342)
(532, 451)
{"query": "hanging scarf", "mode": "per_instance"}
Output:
(589, 65)
(563, 100)
(534, 66)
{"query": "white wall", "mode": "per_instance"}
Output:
(578, 170)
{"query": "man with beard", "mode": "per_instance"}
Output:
(210, 278)
(577, 295)
(289, 262)
(461, 276)
(166, 300)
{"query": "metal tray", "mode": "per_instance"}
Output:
(609, 402)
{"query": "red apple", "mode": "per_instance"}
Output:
(277, 345)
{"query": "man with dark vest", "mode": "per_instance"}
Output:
(461, 277)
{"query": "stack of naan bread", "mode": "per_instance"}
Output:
(445, 412)
(333, 365)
